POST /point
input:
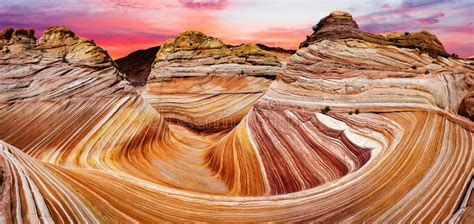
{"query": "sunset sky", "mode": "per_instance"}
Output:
(123, 26)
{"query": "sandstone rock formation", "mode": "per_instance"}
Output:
(137, 65)
(346, 131)
(205, 84)
(340, 25)
(58, 65)
(356, 67)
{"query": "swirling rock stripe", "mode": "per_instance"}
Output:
(418, 178)
(121, 134)
(212, 103)
(57, 80)
(437, 164)
(40, 127)
(353, 72)
(299, 152)
(32, 194)
(235, 160)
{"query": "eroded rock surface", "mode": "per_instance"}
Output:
(347, 131)
(58, 65)
(200, 82)
(340, 25)
(344, 65)
(194, 54)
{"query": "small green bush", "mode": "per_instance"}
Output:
(325, 109)
(413, 67)
(357, 111)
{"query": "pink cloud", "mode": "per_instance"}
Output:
(204, 4)
(123, 26)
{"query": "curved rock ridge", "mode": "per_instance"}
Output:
(58, 65)
(340, 25)
(200, 82)
(421, 155)
(345, 66)
(348, 132)
(86, 134)
(356, 73)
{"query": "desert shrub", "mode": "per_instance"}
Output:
(325, 109)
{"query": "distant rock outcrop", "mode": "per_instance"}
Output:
(62, 42)
(58, 65)
(194, 54)
(137, 65)
(340, 25)
(282, 54)
(9, 35)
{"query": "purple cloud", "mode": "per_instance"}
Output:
(430, 19)
(424, 3)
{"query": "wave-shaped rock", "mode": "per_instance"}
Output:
(204, 84)
(416, 162)
(348, 131)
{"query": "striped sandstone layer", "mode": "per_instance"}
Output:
(59, 65)
(370, 156)
(202, 83)
(402, 182)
